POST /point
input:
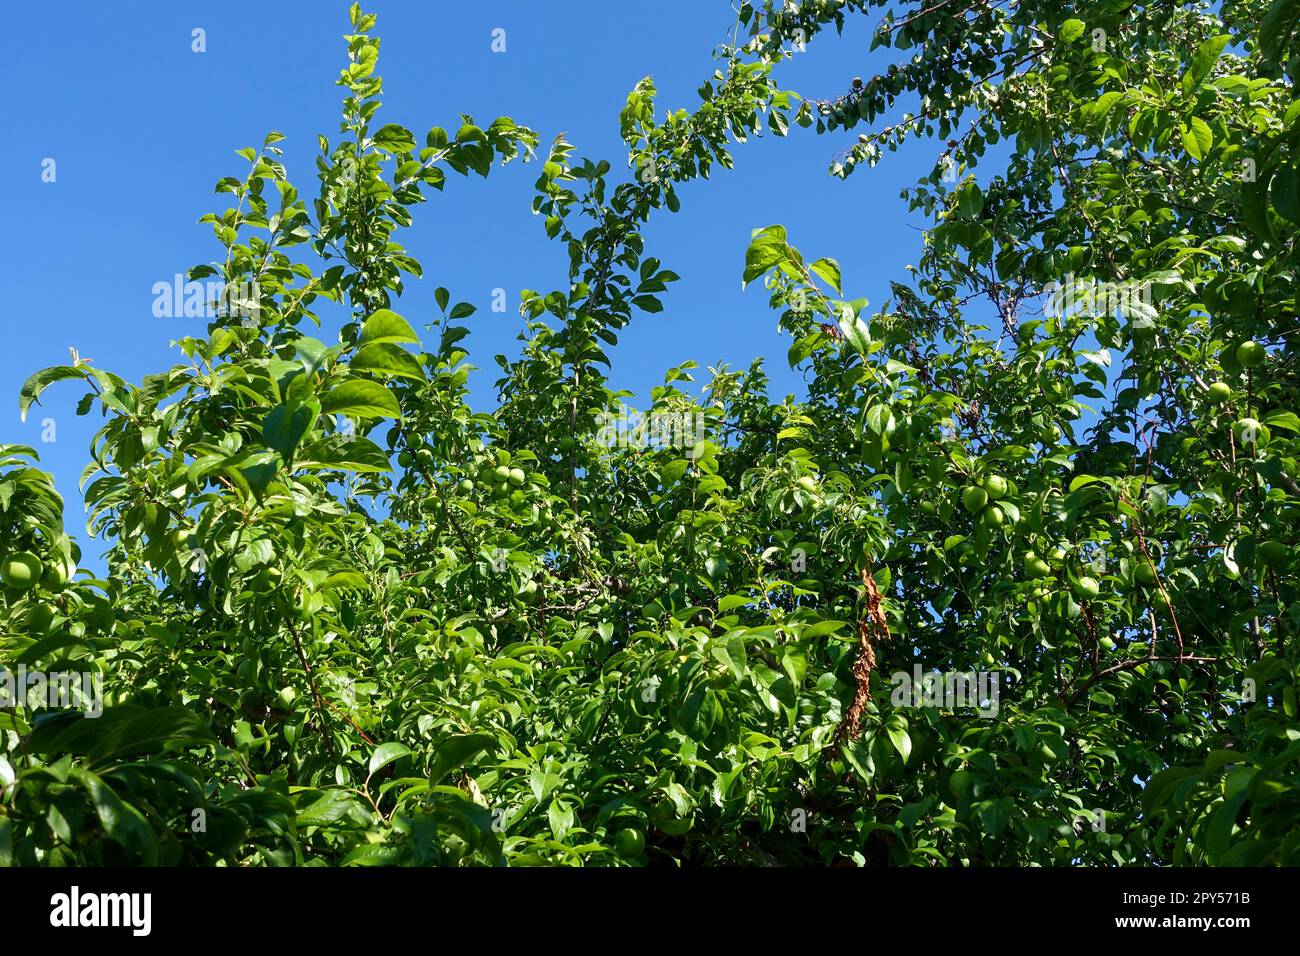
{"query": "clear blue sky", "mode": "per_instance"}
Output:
(141, 128)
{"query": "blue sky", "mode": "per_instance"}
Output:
(141, 128)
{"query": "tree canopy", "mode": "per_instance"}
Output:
(348, 619)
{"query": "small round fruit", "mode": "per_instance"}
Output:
(993, 517)
(501, 489)
(1143, 573)
(57, 574)
(974, 498)
(1220, 392)
(630, 843)
(1182, 721)
(405, 459)
(862, 138)
(21, 570)
(1107, 643)
(995, 485)
(424, 458)
(807, 483)
(928, 507)
(1273, 553)
(1088, 587)
(517, 477)
(1036, 567)
(987, 659)
(287, 696)
(466, 485)
(1250, 354)
(39, 618)
(502, 473)
(1249, 430)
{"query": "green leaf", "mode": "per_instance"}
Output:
(1207, 54)
(1275, 31)
(454, 752)
(386, 326)
(1285, 193)
(970, 200)
(332, 807)
(1197, 138)
(360, 399)
(344, 453)
(856, 333)
(1284, 420)
(879, 418)
(766, 249)
(385, 754)
(829, 270)
(284, 427)
(896, 727)
(1071, 30)
(36, 384)
(394, 139)
(385, 358)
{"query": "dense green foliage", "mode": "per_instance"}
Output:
(349, 620)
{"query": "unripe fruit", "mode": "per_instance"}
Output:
(928, 507)
(405, 459)
(1220, 392)
(987, 659)
(501, 489)
(517, 476)
(1249, 430)
(1273, 553)
(22, 570)
(57, 574)
(995, 485)
(287, 696)
(1143, 573)
(1250, 354)
(1107, 644)
(974, 498)
(466, 485)
(807, 483)
(424, 458)
(1088, 587)
(993, 517)
(1036, 567)
(39, 618)
(630, 843)
(502, 473)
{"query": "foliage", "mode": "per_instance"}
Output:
(349, 620)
